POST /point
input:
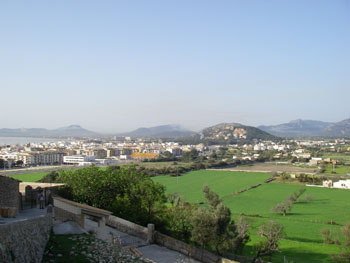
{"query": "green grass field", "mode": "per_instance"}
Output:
(302, 241)
(339, 170)
(29, 177)
(226, 183)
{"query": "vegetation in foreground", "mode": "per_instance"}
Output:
(302, 240)
(132, 195)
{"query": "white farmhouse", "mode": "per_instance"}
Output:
(343, 184)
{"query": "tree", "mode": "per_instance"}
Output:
(309, 198)
(151, 194)
(272, 232)
(213, 227)
(344, 253)
(345, 230)
(343, 256)
(243, 236)
(50, 177)
(327, 236)
(179, 217)
(283, 207)
(212, 197)
(190, 156)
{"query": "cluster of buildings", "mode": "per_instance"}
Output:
(111, 151)
(88, 152)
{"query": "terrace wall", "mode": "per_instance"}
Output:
(25, 241)
(127, 227)
(165, 241)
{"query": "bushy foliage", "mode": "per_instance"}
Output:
(50, 177)
(124, 191)
(179, 218)
(190, 156)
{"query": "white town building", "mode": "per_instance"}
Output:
(78, 159)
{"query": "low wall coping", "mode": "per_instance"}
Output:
(83, 206)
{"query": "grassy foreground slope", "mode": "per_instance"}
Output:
(302, 241)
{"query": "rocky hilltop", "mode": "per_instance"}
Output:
(228, 133)
(234, 131)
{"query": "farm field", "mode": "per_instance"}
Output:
(190, 185)
(339, 170)
(29, 177)
(302, 240)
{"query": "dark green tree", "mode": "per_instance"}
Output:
(190, 156)
(213, 227)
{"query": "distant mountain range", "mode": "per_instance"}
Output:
(69, 131)
(163, 131)
(310, 128)
(223, 133)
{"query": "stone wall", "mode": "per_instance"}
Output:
(9, 192)
(24, 241)
(127, 227)
(199, 254)
(66, 212)
(64, 215)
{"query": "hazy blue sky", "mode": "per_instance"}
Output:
(113, 66)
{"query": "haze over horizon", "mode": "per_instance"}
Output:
(115, 66)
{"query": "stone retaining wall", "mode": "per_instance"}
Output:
(127, 227)
(196, 253)
(64, 215)
(24, 241)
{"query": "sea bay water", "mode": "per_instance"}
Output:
(25, 140)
